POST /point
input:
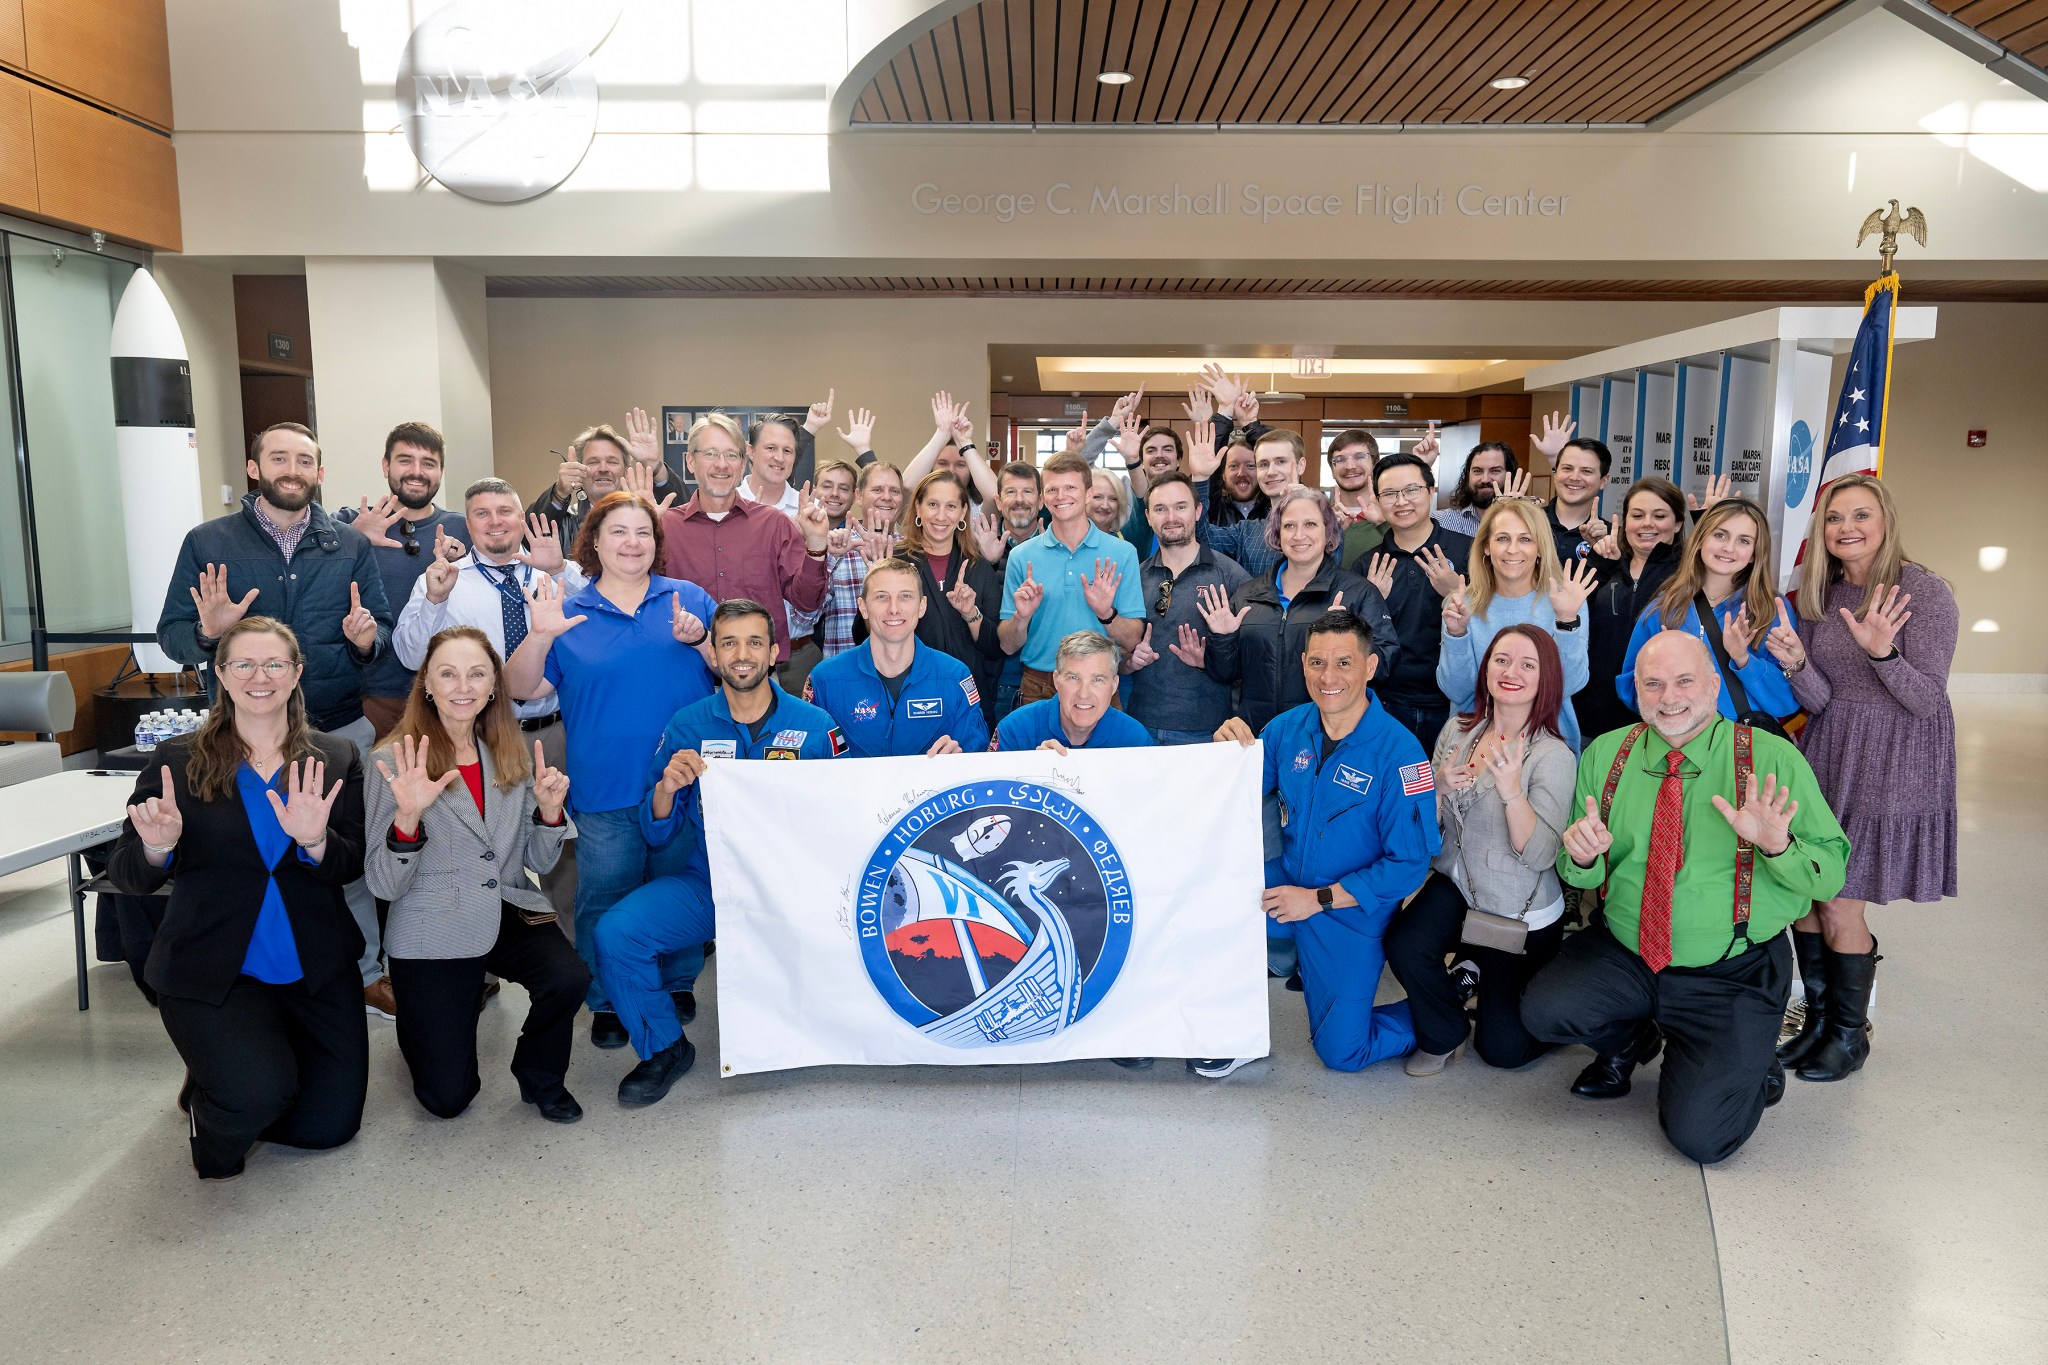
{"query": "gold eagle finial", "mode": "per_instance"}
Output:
(1890, 224)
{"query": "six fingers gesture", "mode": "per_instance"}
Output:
(218, 611)
(302, 811)
(411, 788)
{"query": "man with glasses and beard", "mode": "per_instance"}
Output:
(1413, 568)
(1491, 471)
(406, 531)
(1172, 694)
(281, 556)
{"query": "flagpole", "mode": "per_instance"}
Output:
(1891, 332)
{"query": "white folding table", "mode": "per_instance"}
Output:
(61, 817)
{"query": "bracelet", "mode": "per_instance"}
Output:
(315, 844)
(164, 849)
(1886, 657)
(973, 620)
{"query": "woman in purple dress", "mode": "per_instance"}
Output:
(1869, 661)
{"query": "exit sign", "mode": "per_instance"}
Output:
(1310, 367)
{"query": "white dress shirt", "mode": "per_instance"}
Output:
(474, 601)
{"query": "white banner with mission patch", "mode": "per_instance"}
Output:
(988, 908)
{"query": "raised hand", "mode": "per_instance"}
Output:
(1428, 447)
(1143, 655)
(1457, 611)
(1765, 818)
(1443, 575)
(877, 539)
(963, 426)
(1245, 410)
(1028, 595)
(1557, 429)
(544, 615)
(302, 812)
(1380, 573)
(640, 478)
(684, 767)
(1784, 643)
(1203, 459)
(543, 552)
(1514, 484)
(550, 788)
(218, 611)
(1736, 633)
(158, 820)
(1077, 436)
(988, 535)
(1881, 625)
(1225, 387)
(813, 521)
(569, 477)
(1199, 407)
(964, 600)
(411, 788)
(1569, 591)
(376, 522)
(684, 625)
(944, 410)
(1099, 592)
(1126, 406)
(1235, 729)
(1587, 838)
(1191, 649)
(819, 415)
(359, 626)
(1504, 761)
(643, 443)
(1214, 604)
(1607, 546)
(441, 572)
(1720, 488)
(860, 430)
(1130, 434)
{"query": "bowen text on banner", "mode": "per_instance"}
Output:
(988, 908)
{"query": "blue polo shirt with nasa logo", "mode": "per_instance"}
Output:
(790, 729)
(935, 698)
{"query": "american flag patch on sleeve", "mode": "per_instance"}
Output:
(1416, 779)
(973, 692)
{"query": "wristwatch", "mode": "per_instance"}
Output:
(1324, 897)
(1572, 624)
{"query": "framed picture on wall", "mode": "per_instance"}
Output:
(677, 419)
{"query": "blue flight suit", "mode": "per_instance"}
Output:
(936, 698)
(669, 913)
(1027, 727)
(1365, 819)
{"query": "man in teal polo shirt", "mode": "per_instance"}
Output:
(1072, 576)
(1710, 838)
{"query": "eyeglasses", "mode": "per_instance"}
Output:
(1165, 602)
(1413, 490)
(245, 669)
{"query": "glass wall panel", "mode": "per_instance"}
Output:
(16, 610)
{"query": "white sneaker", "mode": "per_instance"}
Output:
(1421, 1063)
(1216, 1068)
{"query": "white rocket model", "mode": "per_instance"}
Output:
(159, 452)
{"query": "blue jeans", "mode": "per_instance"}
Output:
(642, 931)
(1423, 722)
(1164, 736)
(612, 860)
(1007, 683)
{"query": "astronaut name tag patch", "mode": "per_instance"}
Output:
(719, 748)
(1351, 779)
(926, 708)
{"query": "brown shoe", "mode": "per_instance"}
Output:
(378, 999)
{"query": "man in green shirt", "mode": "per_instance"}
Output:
(1684, 956)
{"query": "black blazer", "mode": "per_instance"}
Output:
(220, 876)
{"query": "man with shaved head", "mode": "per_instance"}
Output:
(1710, 838)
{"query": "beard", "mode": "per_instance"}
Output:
(413, 502)
(283, 501)
(1483, 496)
(749, 684)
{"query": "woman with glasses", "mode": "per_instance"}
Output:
(260, 820)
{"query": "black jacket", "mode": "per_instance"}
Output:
(220, 881)
(1264, 654)
(1418, 615)
(945, 629)
(310, 595)
(1614, 608)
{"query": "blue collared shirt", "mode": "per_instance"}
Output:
(273, 954)
(937, 697)
(1027, 727)
(620, 678)
(791, 729)
(1060, 571)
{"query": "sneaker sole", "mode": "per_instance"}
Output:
(1235, 1064)
(368, 1008)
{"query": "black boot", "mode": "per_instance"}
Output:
(1812, 952)
(1607, 1078)
(646, 1083)
(1845, 1040)
(1774, 1084)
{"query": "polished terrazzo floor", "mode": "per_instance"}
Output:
(1073, 1212)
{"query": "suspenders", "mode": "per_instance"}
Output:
(1745, 852)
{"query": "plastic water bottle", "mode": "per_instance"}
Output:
(146, 733)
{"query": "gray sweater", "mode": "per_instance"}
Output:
(1475, 826)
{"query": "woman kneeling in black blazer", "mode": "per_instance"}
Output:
(453, 865)
(255, 966)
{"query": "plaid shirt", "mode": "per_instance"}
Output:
(287, 537)
(843, 582)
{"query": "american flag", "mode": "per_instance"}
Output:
(973, 692)
(1416, 779)
(1856, 435)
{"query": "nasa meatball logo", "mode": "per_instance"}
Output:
(1302, 760)
(994, 913)
(866, 710)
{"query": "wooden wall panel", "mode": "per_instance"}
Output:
(13, 50)
(273, 303)
(94, 170)
(17, 147)
(112, 52)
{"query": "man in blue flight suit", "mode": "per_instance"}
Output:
(1081, 712)
(749, 716)
(892, 696)
(1358, 813)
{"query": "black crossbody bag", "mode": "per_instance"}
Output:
(1745, 714)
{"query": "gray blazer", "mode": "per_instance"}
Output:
(445, 891)
(1475, 824)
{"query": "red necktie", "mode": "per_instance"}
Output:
(1667, 855)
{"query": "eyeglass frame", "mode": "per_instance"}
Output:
(1404, 494)
(245, 669)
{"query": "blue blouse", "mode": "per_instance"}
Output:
(273, 955)
(1762, 679)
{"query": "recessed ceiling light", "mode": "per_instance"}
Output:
(1509, 82)
(1115, 78)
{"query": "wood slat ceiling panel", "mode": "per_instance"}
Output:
(2021, 26)
(1362, 62)
(1844, 292)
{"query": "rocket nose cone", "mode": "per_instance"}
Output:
(144, 324)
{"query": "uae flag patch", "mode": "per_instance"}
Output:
(1417, 778)
(839, 740)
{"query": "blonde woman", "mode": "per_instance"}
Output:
(1515, 579)
(1869, 660)
(1109, 501)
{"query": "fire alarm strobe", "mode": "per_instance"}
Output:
(1977, 438)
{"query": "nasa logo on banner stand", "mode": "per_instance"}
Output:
(1798, 464)
(493, 97)
(1004, 914)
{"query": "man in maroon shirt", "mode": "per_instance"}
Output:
(734, 548)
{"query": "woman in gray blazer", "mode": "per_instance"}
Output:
(457, 815)
(1504, 793)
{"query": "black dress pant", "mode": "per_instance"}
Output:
(1429, 927)
(1720, 1025)
(272, 1063)
(438, 1001)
